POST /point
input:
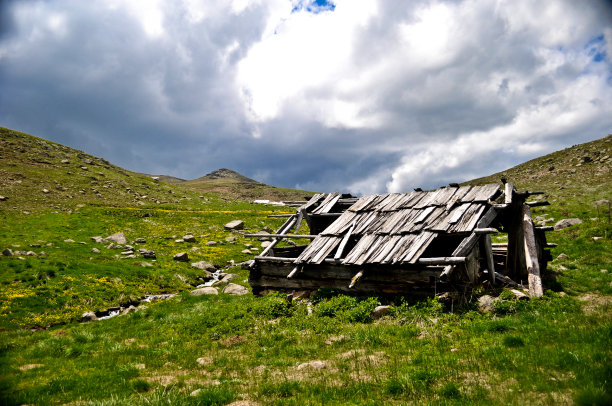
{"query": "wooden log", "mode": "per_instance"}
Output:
(448, 270)
(505, 280)
(538, 203)
(442, 261)
(466, 245)
(344, 242)
(499, 244)
(355, 279)
(531, 255)
(294, 271)
(485, 231)
(508, 192)
(306, 236)
(545, 228)
(489, 257)
(282, 230)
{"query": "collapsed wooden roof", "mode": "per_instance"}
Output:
(396, 228)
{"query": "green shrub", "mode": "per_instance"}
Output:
(347, 308)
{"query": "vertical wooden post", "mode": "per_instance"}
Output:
(531, 255)
(489, 254)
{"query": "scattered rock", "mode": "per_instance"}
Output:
(518, 295)
(140, 240)
(3, 198)
(149, 254)
(264, 238)
(312, 365)
(89, 316)
(247, 252)
(265, 244)
(189, 238)
(235, 225)
(485, 303)
(561, 257)
(380, 311)
(230, 239)
(234, 289)
(205, 266)
(27, 367)
(119, 238)
(208, 290)
(247, 265)
(99, 239)
(597, 238)
(211, 243)
(561, 224)
(130, 309)
(95, 250)
(597, 203)
(45, 191)
(195, 392)
(127, 253)
(204, 360)
(7, 252)
(181, 256)
(225, 279)
(68, 240)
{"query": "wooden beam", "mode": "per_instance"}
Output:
(504, 279)
(489, 257)
(308, 236)
(441, 261)
(538, 203)
(531, 255)
(283, 230)
(294, 271)
(355, 279)
(344, 241)
(298, 223)
(448, 269)
(466, 245)
(500, 244)
(545, 228)
(485, 231)
(508, 191)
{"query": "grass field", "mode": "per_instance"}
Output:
(216, 350)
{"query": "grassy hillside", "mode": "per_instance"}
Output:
(224, 349)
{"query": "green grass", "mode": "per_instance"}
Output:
(214, 350)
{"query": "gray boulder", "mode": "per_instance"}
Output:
(203, 265)
(181, 256)
(149, 254)
(7, 252)
(235, 225)
(380, 311)
(485, 303)
(99, 239)
(234, 289)
(119, 238)
(189, 238)
(565, 223)
(140, 240)
(89, 316)
(208, 290)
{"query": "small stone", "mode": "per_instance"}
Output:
(45, 191)
(518, 295)
(189, 238)
(246, 252)
(380, 311)
(561, 257)
(235, 225)
(95, 250)
(89, 316)
(195, 392)
(211, 243)
(3, 198)
(7, 252)
(204, 360)
(130, 309)
(234, 289)
(127, 252)
(311, 365)
(225, 279)
(247, 265)
(99, 239)
(68, 240)
(149, 254)
(230, 239)
(564, 223)
(208, 290)
(265, 244)
(181, 256)
(597, 238)
(119, 238)
(140, 240)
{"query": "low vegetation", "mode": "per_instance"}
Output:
(219, 349)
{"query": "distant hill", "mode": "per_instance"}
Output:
(37, 174)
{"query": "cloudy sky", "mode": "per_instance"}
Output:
(350, 95)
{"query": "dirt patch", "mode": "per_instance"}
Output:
(594, 303)
(234, 341)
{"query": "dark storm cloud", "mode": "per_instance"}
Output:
(366, 96)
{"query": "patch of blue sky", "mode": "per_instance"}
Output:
(313, 6)
(596, 49)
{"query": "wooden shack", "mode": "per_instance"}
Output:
(408, 243)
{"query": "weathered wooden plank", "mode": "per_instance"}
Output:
(423, 214)
(355, 279)
(488, 218)
(327, 204)
(486, 192)
(282, 230)
(313, 201)
(418, 246)
(362, 245)
(389, 247)
(340, 225)
(485, 231)
(411, 199)
(362, 202)
(393, 203)
(469, 219)
(426, 201)
(458, 212)
(445, 195)
(531, 255)
(344, 241)
(327, 248)
(438, 214)
(508, 193)
(466, 245)
(376, 245)
(489, 256)
(441, 261)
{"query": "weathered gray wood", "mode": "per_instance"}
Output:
(344, 241)
(485, 231)
(488, 218)
(355, 279)
(531, 255)
(538, 203)
(508, 192)
(282, 230)
(307, 236)
(466, 245)
(298, 222)
(293, 272)
(448, 270)
(441, 261)
(489, 256)
(505, 280)
(499, 244)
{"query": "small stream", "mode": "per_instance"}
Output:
(116, 311)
